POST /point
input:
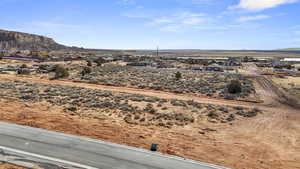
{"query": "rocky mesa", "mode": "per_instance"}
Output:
(24, 41)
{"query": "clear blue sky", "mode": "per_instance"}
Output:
(171, 24)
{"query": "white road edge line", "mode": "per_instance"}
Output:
(47, 158)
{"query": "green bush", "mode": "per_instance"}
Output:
(23, 71)
(86, 70)
(99, 61)
(178, 75)
(43, 67)
(60, 72)
(234, 87)
(89, 63)
(23, 66)
(289, 67)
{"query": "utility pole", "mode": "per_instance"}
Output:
(157, 51)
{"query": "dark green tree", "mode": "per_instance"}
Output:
(1, 55)
(178, 75)
(234, 87)
(89, 63)
(23, 66)
(86, 70)
(60, 72)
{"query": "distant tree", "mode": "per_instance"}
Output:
(43, 67)
(1, 55)
(60, 72)
(234, 87)
(23, 72)
(178, 76)
(289, 67)
(89, 63)
(53, 69)
(86, 70)
(23, 66)
(99, 61)
(205, 63)
(246, 59)
(212, 62)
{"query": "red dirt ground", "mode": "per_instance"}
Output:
(268, 141)
(8, 166)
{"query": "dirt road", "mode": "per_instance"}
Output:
(146, 92)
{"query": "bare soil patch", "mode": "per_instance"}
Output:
(9, 166)
(270, 140)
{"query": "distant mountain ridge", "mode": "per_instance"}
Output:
(290, 49)
(25, 41)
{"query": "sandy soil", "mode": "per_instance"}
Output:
(269, 141)
(291, 84)
(8, 166)
(288, 81)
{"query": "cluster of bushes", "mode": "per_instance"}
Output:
(23, 70)
(234, 87)
(178, 76)
(86, 70)
(60, 72)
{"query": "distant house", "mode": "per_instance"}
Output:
(164, 65)
(215, 68)
(263, 59)
(297, 66)
(197, 68)
(264, 65)
(201, 60)
(290, 60)
(100, 61)
(143, 63)
(137, 64)
(233, 62)
(23, 59)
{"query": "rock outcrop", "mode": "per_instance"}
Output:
(24, 41)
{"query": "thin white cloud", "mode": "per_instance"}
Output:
(258, 5)
(51, 25)
(170, 28)
(170, 22)
(193, 21)
(201, 2)
(129, 4)
(197, 2)
(252, 18)
(295, 40)
(163, 20)
(53, 28)
(126, 2)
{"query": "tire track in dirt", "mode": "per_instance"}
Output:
(263, 92)
(151, 93)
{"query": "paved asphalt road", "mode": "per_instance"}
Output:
(57, 148)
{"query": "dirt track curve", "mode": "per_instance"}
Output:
(146, 92)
